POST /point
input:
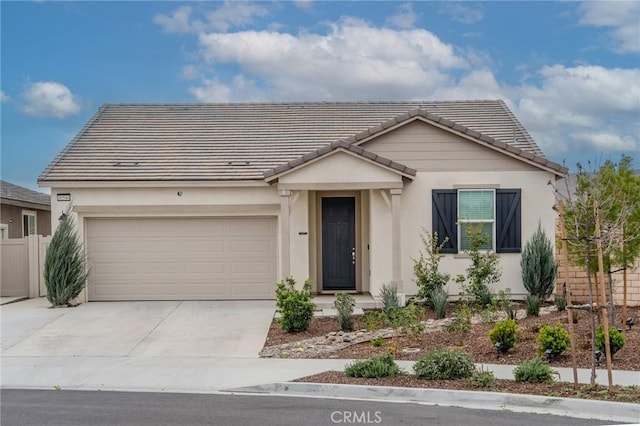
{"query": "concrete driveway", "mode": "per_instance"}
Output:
(228, 329)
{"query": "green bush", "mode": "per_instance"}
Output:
(538, 265)
(389, 296)
(295, 306)
(504, 333)
(345, 304)
(616, 340)
(438, 299)
(482, 379)
(373, 320)
(555, 338)
(382, 366)
(532, 304)
(483, 272)
(534, 371)
(65, 271)
(407, 319)
(461, 320)
(561, 303)
(444, 364)
(428, 277)
(378, 341)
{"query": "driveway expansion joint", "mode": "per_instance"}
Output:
(154, 328)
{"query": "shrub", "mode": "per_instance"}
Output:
(295, 306)
(407, 319)
(556, 340)
(382, 366)
(504, 333)
(389, 296)
(482, 379)
(504, 302)
(538, 264)
(534, 371)
(483, 271)
(344, 304)
(444, 364)
(428, 277)
(616, 340)
(532, 304)
(438, 299)
(561, 303)
(461, 321)
(65, 271)
(378, 341)
(488, 315)
(373, 320)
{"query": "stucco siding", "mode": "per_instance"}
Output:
(339, 168)
(12, 217)
(537, 202)
(425, 147)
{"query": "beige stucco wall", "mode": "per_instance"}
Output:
(537, 202)
(339, 167)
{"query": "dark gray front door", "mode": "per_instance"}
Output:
(338, 243)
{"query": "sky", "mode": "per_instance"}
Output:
(569, 70)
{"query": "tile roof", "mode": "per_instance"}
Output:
(223, 142)
(9, 191)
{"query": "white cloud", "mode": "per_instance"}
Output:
(582, 106)
(405, 17)
(4, 97)
(353, 60)
(212, 90)
(462, 13)
(235, 14)
(623, 17)
(49, 99)
(303, 4)
(191, 72)
(178, 22)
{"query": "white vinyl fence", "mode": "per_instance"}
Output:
(21, 266)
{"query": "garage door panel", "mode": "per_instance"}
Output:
(181, 258)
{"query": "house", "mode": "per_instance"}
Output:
(23, 212)
(219, 201)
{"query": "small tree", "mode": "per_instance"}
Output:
(65, 272)
(484, 270)
(538, 265)
(426, 268)
(295, 306)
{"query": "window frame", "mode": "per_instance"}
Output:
(27, 214)
(460, 220)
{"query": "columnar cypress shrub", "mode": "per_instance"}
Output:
(538, 265)
(65, 272)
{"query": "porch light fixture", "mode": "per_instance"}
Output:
(63, 216)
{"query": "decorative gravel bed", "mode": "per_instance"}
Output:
(324, 340)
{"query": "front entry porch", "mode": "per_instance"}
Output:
(340, 222)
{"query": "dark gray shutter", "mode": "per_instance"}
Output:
(445, 216)
(508, 221)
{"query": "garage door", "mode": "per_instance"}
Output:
(181, 258)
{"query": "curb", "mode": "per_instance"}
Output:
(569, 407)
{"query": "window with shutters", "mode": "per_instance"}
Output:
(476, 208)
(497, 211)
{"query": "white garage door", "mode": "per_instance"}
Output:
(182, 258)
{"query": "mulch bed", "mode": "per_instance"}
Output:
(564, 390)
(477, 342)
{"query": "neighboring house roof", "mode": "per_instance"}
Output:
(173, 142)
(18, 195)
